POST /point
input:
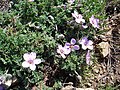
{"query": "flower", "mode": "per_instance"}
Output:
(94, 22)
(78, 17)
(31, 0)
(63, 51)
(71, 1)
(88, 57)
(72, 45)
(86, 43)
(30, 60)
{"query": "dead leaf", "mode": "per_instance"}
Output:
(105, 48)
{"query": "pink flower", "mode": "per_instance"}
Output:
(88, 57)
(63, 51)
(30, 60)
(86, 43)
(94, 22)
(72, 45)
(78, 17)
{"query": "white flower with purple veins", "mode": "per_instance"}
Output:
(63, 51)
(88, 57)
(30, 60)
(86, 43)
(72, 45)
(94, 21)
(71, 1)
(78, 17)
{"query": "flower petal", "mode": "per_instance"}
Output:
(32, 67)
(32, 55)
(80, 16)
(83, 41)
(83, 20)
(74, 15)
(90, 47)
(58, 51)
(67, 45)
(63, 56)
(84, 47)
(94, 22)
(76, 47)
(60, 48)
(77, 20)
(37, 61)
(90, 42)
(25, 64)
(67, 51)
(26, 56)
(84, 25)
(73, 41)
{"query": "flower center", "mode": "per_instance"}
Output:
(86, 42)
(30, 61)
(93, 21)
(71, 46)
(62, 51)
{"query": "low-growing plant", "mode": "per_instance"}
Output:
(52, 38)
